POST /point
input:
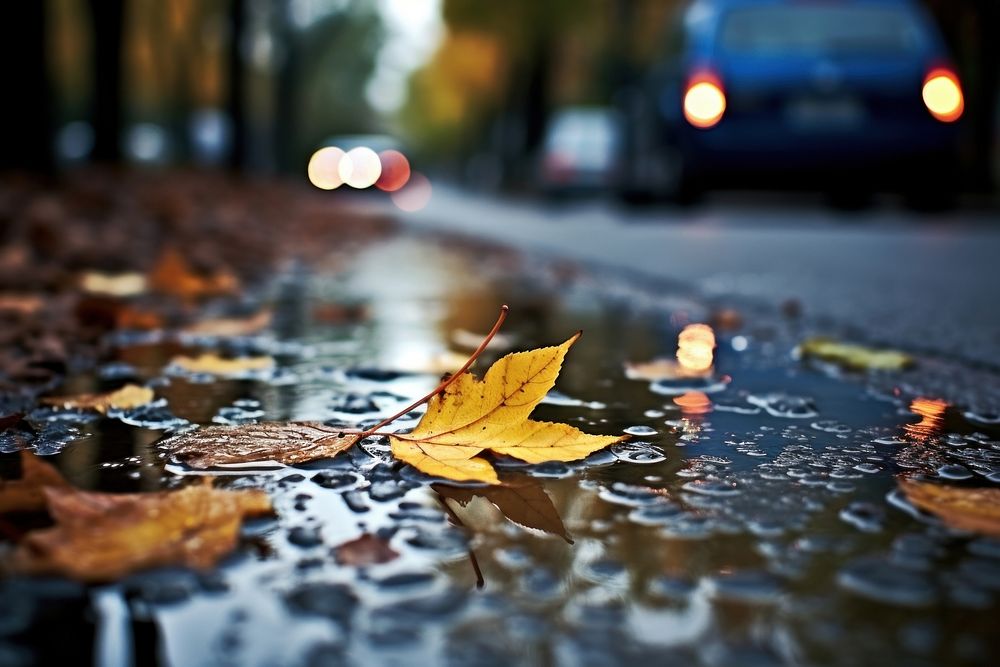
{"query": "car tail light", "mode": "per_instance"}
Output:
(942, 95)
(704, 100)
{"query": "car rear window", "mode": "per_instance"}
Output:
(820, 29)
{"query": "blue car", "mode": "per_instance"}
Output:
(847, 95)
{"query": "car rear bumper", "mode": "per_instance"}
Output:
(872, 149)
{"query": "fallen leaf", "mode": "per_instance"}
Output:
(437, 364)
(100, 537)
(129, 396)
(974, 509)
(231, 326)
(471, 416)
(25, 304)
(465, 338)
(113, 284)
(27, 494)
(213, 364)
(366, 550)
(136, 319)
(174, 275)
(857, 357)
(523, 501)
(288, 443)
(658, 369)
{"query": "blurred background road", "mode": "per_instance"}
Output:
(925, 281)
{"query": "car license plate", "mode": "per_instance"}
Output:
(832, 114)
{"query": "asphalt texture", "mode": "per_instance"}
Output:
(926, 282)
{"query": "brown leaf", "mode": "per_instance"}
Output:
(975, 509)
(231, 326)
(366, 550)
(25, 304)
(523, 501)
(101, 537)
(27, 494)
(213, 364)
(288, 443)
(129, 396)
(174, 275)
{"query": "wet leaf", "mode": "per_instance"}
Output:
(523, 501)
(174, 275)
(213, 364)
(857, 357)
(366, 550)
(129, 396)
(27, 494)
(974, 509)
(226, 326)
(288, 443)
(465, 338)
(438, 364)
(471, 416)
(101, 537)
(116, 284)
(659, 369)
(25, 304)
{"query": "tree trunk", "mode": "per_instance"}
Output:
(27, 130)
(108, 18)
(236, 102)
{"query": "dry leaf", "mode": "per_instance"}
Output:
(213, 364)
(141, 320)
(174, 275)
(26, 304)
(471, 416)
(226, 326)
(975, 509)
(116, 284)
(523, 501)
(464, 338)
(438, 364)
(857, 357)
(101, 537)
(659, 369)
(366, 550)
(129, 396)
(27, 494)
(288, 443)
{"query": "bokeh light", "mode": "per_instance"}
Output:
(395, 171)
(931, 412)
(943, 96)
(360, 167)
(693, 403)
(704, 104)
(413, 196)
(695, 348)
(324, 168)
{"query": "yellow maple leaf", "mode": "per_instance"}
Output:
(471, 416)
(213, 364)
(129, 396)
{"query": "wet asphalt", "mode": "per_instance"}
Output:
(925, 282)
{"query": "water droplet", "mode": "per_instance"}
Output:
(880, 580)
(953, 471)
(637, 452)
(712, 487)
(784, 405)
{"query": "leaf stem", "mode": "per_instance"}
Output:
(504, 309)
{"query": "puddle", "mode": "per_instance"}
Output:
(749, 520)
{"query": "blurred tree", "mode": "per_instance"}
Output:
(27, 131)
(108, 20)
(235, 90)
(326, 61)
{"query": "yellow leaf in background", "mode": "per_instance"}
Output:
(437, 364)
(231, 326)
(972, 509)
(857, 357)
(471, 416)
(213, 364)
(117, 284)
(465, 338)
(129, 396)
